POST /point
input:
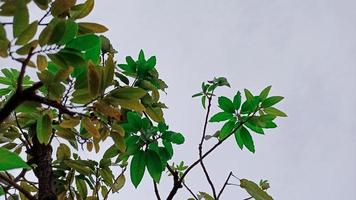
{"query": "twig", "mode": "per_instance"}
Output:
(27, 142)
(43, 17)
(226, 182)
(51, 103)
(23, 70)
(11, 182)
(201, 149)
(156, 190)
(117, 178)
(190, 191)
(176, 185)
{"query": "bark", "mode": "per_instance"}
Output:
(42, 157)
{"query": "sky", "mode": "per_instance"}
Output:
(305, 49)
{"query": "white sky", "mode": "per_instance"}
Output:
(305, 49)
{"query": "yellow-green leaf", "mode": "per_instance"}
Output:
(63, 152)
(27, 34)
(128, 93)
(90, 127)
(155, 113)
(131, 104)
(79, 167)
(107, 110)
(119, 183)
(70, 123)
(41, 62)
(21, 20)
(93, 80)
(42, 4)
(82, 10)
(88, 27)
(24, 50)
(61, 6)
(44, 129)
(254, 190)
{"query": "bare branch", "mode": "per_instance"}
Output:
(11, 182)
(190, 191)
(223, 187)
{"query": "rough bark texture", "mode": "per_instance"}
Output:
(42, 157)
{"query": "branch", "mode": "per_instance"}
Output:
(117, 178)
(156, 190)
(51, 103)
(9, 181)
(175, 187)
(225, 184)
(190, 191)
(23, 70)
(201, 149)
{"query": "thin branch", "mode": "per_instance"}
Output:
(11, 182)
(248, 198)
(226, 182)
(201, 149)
(156, 190)
(27, 142)
(175, 186)
(43, 17)
(23, 70)
(190, 191)
(51, 103)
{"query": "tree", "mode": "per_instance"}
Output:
(83, 98)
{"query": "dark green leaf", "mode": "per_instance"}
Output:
(134, 120)
(238, 138)
(137, 168)
(176, 138)
(247, 139)
(271, 101)
(237, 100)
(71, 30)
(221, 116)
(154, 165)
(226, 104)
(226, 129)
(249, 95)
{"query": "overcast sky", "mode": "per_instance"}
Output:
(305, 49)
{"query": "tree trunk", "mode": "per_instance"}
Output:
(42, 157)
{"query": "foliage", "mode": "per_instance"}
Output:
(85, 98)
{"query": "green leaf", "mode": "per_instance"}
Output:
(247, 139)
(253, 127)
(274, 111)
(226, 129)
(81, 186)
(254, 190)
(120, 182)
(27, 34)
(128, 93)
(151, 63)
(154, 165)
(134, 120)
(71, 30)
(237, 100)
(10, 160)
(84, 42)
(2, 192)
(176, 138)
(249, 95)
(238, 138)
(221, 116)
(141, 56)
(203, 100)
(137, 168)
(21, 20)
(271, 101)
(226, 104)
(264, 93)
(111, 152)
(58, 31)
(44, 129)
